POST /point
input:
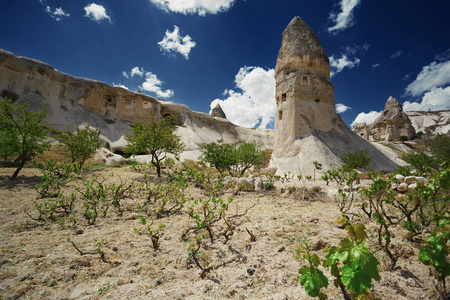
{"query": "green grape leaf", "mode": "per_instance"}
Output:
(312, 280)
(355, 280)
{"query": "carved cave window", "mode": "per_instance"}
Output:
(280, 115)
(283, 97)
(147, 105)
(317, 100)
(305, 80)
(128, 101)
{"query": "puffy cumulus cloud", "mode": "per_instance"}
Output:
(339, 64)
(174, 42)
(96, 13)
(200, 7)
(396, 54)
(253, 105)
(120, 85)
(153, 84)
(136, 71)
(435, 99)
(432, 76)
(341, 108)
(367, 118)
(343, 19)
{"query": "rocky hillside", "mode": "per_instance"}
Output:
(430, 122)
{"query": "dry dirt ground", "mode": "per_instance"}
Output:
(38, 262)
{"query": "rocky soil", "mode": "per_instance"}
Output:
(38, 262)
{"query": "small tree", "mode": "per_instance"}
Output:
(81, 144)
(232, 158)
(219, 155)
(155, 137)
(248, 155)
(21, 132)
(356, 160)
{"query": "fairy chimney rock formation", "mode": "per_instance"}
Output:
(217, 112)
(304, 94)
(390, 126)
(307, 128)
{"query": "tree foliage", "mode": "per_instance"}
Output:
(219, 155)
(440, 148)
(155, 137)
(421, 162)
(21, 132)
(81, 144)
(356, 160)
(233, 158)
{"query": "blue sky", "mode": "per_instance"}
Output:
(203, 52)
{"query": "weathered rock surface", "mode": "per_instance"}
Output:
(393, 123)
(430, 122)
(71, 101)
(218, 112)
(307, 128)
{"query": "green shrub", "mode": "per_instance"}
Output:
(234, 158)
(440, 148)
(268, 186)
(404, 138)
(421, 162)
(356, 160)
(80, 144)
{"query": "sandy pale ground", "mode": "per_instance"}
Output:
(38, 262)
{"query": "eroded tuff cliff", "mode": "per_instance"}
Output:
(72, 101)
(393, 124)
(307, 128)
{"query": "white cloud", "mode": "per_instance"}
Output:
(136, 71)
(174, 42)
(96, 12)
(432, 76)
(352, 50)
(120, 85)
(443, 56)
(344, 18)
(366, 118)
(201, 7)
(406, 77)
(254, 102)
(57, 14)
(153, 84)
(396, 54)
(435, 99)
(341, 108)
(376, 66)
(338, 64)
